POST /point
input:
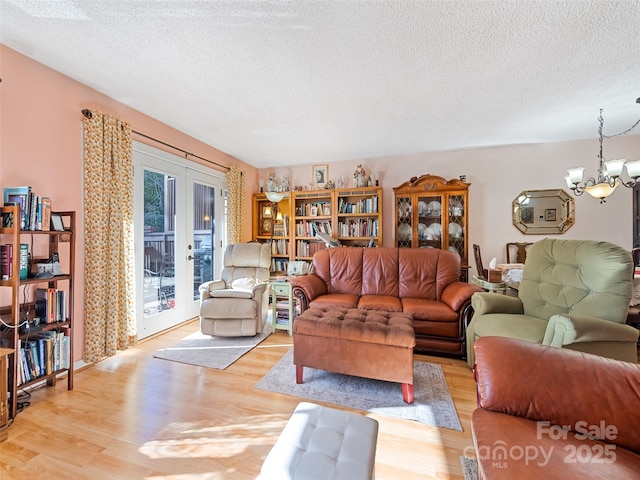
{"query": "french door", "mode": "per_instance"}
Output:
(179, 230)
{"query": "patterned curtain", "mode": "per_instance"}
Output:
(235, 205)
(109, 275)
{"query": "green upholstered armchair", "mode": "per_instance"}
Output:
(574, 294)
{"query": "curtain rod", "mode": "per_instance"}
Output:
(88, 114)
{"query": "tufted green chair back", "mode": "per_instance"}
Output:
(577, 276)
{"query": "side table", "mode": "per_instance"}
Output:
(281, 318)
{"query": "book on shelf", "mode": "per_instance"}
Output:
(43, 354)
(46, 343)
(19, 195)
(24, 261)
(6, 261)
(46, 214)
(7, 217)
(31, 350)
(51, 305)
(35, 210)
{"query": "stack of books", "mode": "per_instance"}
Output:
(282, 311)
(35, 210)
(41, 354)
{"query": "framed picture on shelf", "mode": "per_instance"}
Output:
(265, 226)
(56, 223)
(320, 175)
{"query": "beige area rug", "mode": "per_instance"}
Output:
(212, 352)
(433, 404)
(469, 468)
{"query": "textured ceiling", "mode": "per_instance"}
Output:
(291, 82)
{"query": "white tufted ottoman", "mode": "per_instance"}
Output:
(325, 444)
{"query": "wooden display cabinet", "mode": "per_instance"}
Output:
(432, 212)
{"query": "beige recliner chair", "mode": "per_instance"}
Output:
(574, 294)
(237, 304)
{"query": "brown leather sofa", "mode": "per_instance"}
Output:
(553, 413)
(424, 282)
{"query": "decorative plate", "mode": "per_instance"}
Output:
(455, 230)
(435, 229)
(434, 208)
(404, 210)
(422, 208)
(404, 232)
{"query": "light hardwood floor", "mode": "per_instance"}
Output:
(137, 417)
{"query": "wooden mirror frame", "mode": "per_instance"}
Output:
(543, 212)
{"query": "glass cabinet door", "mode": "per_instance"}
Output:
(456, 225)
(405, 221)
(430, 224)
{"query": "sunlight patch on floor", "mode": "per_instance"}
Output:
(206, 439)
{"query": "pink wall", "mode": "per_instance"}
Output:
(497, 175)
(41, 143)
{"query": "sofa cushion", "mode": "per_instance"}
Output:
(340, 269)
(231, 293)
(380, 271)
(335, 300)
(421, 308)
(416, 268)
(380, 302)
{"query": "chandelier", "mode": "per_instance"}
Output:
(609, 172)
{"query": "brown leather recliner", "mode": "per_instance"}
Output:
(554, 413)
(424, 282)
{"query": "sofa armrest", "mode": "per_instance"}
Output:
(486, 302)
(572, 328)
(206, 287)
(557, 386)
(456, 294)
(306, 288)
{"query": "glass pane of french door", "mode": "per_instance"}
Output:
(161, 269)
(179, 229)
(205, 245)
(159, 243)
(204, 197)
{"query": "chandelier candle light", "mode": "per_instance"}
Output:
(609, 173)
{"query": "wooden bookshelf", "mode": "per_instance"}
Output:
(52, 337)
(353, 216)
